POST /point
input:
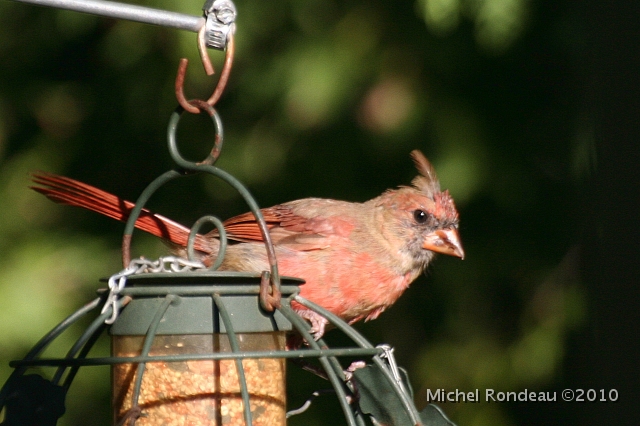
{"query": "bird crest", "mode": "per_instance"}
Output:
(427, 181)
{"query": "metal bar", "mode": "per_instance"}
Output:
(94, 332)
(222, 237)
(340, 324)
(160, 289)
(400, 391)
(83, 354)
(333, 360)
(137, 208)
(306, 353)
(244, 290)
(148, 341)
(235, 347)
(244, 192)
(360, 420)
(90, 331)
(336, 321)
(336, 381)
(130, 12)
(58, 329)
(44, 342)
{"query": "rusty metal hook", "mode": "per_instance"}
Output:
(206, 62)
(202, 49)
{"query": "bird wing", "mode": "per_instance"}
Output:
(295, 225)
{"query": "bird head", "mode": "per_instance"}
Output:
(439, 217)
(422, 217)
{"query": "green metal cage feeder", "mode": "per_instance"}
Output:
(198, 349)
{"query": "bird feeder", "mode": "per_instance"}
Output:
(197, 348)
(191, 345)
(183, 319)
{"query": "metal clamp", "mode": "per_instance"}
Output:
(393, 366)
(220, 24)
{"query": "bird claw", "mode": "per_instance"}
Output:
(318, 323)
(355, 365)
(348, 373)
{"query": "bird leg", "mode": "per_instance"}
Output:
(318, 322)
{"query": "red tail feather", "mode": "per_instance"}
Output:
(65, 190)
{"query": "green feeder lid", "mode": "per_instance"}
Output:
(195, 312)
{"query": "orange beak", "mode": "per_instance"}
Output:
(446, 241)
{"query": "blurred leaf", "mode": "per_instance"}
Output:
(432, 415)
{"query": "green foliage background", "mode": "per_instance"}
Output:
(326, 98)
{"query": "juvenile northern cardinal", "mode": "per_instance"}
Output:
(356, 258)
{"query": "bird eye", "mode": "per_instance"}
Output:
(420, 216)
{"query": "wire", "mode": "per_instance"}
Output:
(130, 12)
